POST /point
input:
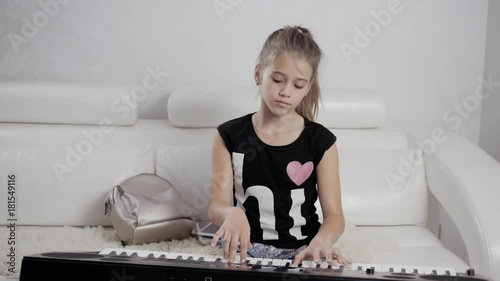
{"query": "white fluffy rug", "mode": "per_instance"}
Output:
(355, 244)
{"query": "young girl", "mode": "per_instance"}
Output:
(270, 166)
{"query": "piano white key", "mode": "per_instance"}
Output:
(143, 253)
(386, 267)
(364, 266)
(420, 269)
(355, 266)
(306, 263)
(378, 267)
(276, 262)
(451, 270)
(324, 264)
(267, 262)
(258, 261)
(197, 256)
(428, 270)
(397, 268)
(253, 261)
(408, 268)
(440, 270)
(209, 258)
(336, 264)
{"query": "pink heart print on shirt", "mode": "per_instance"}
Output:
(299, 173)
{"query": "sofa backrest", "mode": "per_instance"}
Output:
(382, 178)
(64, 171)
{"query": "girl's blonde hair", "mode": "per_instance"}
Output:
(298, 42)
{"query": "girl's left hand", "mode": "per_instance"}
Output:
(317, 250)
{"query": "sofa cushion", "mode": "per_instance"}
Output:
(379, 187)
(67, 103)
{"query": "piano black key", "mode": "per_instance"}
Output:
(447, 272)
(151, 256)
(258, 262)
(391, 270)
(201, 259)
(113, 253)
(403, 270)
(415, 271)
(434, 272)
(360, 267)
(190, 258)
(163, 257)
(179, 257)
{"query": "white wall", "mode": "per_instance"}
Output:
(427, 58)
(490, 129)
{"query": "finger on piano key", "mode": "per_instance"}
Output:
(335, 265)
(323, 264)
(237, 258)
(315, 264)
(306, 263)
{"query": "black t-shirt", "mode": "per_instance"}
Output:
(276, 185)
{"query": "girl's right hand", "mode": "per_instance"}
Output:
(235, 230)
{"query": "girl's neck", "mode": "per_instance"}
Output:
(265, 119)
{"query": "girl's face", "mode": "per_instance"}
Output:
(284, 83)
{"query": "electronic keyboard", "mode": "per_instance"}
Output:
(135, 265)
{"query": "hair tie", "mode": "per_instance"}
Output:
(298, 29)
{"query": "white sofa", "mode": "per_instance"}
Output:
(65, 163)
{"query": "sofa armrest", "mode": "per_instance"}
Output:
(466, 181)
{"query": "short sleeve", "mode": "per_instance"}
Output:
(224, 133)
(324, 140)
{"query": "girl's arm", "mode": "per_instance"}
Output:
(221, 182)
(327, 173)
(330, 198)
(234, 227)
